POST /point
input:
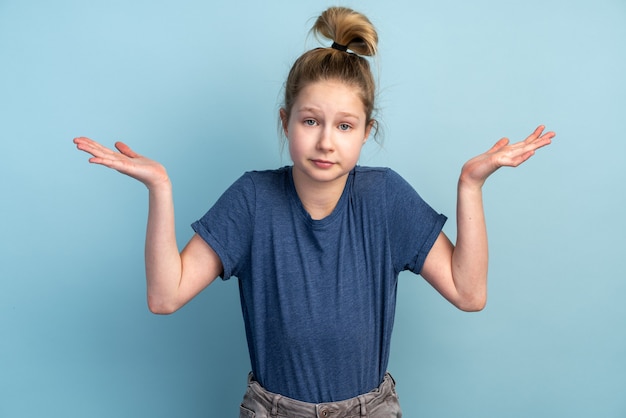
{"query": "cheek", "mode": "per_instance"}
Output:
(357, 151)
(356, 145)
(294, 146)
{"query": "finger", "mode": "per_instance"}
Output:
(522, 158)
(533, 136)
(543, 140)
(79, 139)
(539, 129)
(538, 135)
(113, 163)
(537, 132)
(125, 149)
(83, 141)
(536, 140)
(548, 135)
(92, 147)
(502, 142)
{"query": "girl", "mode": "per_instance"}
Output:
(317, 246)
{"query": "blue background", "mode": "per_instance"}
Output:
(196, 85)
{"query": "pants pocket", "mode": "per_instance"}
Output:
(245, 412)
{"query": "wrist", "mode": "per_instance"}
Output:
(467, 182)
(159, 187)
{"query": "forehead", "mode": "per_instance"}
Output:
(330, 96)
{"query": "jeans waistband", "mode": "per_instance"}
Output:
(363, 405)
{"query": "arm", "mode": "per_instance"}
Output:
(459, 272)
(172, 278)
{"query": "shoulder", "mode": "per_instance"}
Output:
(266, 188)
(261, 179)
(364, 174)
(379, 178)
(267, 176)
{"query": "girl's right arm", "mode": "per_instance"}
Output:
(172, 278)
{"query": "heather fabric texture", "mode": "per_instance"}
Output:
(318, 296)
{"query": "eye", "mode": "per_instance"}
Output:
(310, 122)
(344, 127)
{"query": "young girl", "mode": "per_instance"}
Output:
(317, 246)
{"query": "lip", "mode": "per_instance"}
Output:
(323, 163)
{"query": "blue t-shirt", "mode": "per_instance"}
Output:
(318, 296)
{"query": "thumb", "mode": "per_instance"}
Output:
(125, 149)
(502, 142)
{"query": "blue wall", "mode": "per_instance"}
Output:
(197, 87)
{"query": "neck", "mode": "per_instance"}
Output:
(319, 198)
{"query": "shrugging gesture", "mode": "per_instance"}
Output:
(459, 272)
(272, 244)
(172, 278)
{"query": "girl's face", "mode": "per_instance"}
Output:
(326, 131)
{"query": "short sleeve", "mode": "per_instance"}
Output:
(227, 227)
(413, 225)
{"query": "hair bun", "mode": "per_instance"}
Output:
(349, 28)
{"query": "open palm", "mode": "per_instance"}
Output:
(124, 160)
(505, 154)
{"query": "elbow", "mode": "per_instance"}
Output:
(472, 304)
(161, 307)
(473, 307)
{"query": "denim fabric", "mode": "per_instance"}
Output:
(381, 402)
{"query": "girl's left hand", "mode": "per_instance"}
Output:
(476, 170)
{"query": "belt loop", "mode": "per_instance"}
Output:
(275, 405)
(363, 407)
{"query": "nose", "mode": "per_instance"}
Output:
(325, 141)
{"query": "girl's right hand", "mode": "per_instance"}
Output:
(126, 161)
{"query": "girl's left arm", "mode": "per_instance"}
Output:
(459, 272)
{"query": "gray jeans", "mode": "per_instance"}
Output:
(381, 402)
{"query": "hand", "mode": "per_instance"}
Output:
(476, 170)
(126, 161)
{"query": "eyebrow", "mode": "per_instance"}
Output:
(317, 110)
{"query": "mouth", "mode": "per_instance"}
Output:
(322, 163)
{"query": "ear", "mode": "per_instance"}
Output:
(368, 129)
(284, 120)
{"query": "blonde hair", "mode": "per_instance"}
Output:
(347, 29)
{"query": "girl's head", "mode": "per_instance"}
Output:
(349, 30)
